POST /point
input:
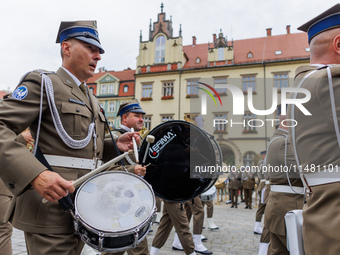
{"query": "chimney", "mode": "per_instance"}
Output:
(288, 29)
(269, 32)
(214, 38)
(193, 40)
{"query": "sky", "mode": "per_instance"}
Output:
(29, 27)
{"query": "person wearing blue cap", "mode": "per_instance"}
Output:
(66, 123)
(315, 138)
(131, 114)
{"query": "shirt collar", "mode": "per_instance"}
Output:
(76, 80)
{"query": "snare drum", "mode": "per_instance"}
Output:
(113, 211)
(180, 157)
(209, 195)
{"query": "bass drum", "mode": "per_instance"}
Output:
(182, 159)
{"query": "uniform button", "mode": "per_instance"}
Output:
(77, 110)
(11, 185)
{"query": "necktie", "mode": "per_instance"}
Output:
(83, 89)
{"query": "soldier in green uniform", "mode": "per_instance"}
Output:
(315, 138)
(132, 117)
(66, 123)
(286, 189)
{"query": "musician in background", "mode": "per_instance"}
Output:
(210, 212)
(234, 181)
(248, 183)
(131, 115)
(286, 189)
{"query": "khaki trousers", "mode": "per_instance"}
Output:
(234, 196)
(174, 215)
(195, 208)
(260, 212)
(51, 244)
(278, 244)
(6, 228)
(210, 208)
(247, 197)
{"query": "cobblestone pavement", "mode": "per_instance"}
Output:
(235, 234)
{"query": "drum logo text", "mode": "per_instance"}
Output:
(160, 144)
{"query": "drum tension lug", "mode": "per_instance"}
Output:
(100, 241)
(136, 237)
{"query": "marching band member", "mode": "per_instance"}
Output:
(286, 189)
(66, 122)
(316, 137)
(131, 115)
(261, 189)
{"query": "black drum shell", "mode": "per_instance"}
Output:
(178, 149)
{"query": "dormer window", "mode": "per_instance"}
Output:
(250, 55)
(198, 60)
(125, 88)
(278, 52)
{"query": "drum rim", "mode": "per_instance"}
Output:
(106, 233)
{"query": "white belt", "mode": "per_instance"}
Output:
(287, 189)
(263, 180)
(319, 178)
(267, 182)
(71, 162)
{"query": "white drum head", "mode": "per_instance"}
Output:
(114, 201)
(210, 191)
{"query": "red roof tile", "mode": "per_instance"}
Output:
(125, 75)
(291, 46)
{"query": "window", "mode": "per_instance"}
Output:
(160, 49)
(248, 82)
(192, 88)
(103, 89)
(250, 55)
(220, 128)
(91, 89)
(101, 105)
(166, 118)
(110, 88)
(147, 91)
(220, 53)
(249, 123)
(111, 107)
(147, 122)
(248, 159)
(126, 88)
(221, 81)
(198, 60)
(278, 52)
(281, 81)
(168, 89)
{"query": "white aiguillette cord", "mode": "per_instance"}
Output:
(82, 179)
(135, 146)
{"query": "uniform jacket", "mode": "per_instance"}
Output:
(280, 203)
(22, 167)
(233, 180)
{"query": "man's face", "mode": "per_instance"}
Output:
(133, 120)
(80, 58)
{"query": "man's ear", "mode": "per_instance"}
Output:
(336, 44)
(66, 46)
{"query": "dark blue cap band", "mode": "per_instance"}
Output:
(324, 24)
(129, 108)
(78, 31)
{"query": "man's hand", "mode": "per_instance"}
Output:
(124, 142)
(140, 170)
(52, 186)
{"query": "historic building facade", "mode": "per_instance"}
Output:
(172, 79)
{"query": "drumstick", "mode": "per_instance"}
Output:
(149, 139)
(82, 179)
(135, 146)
